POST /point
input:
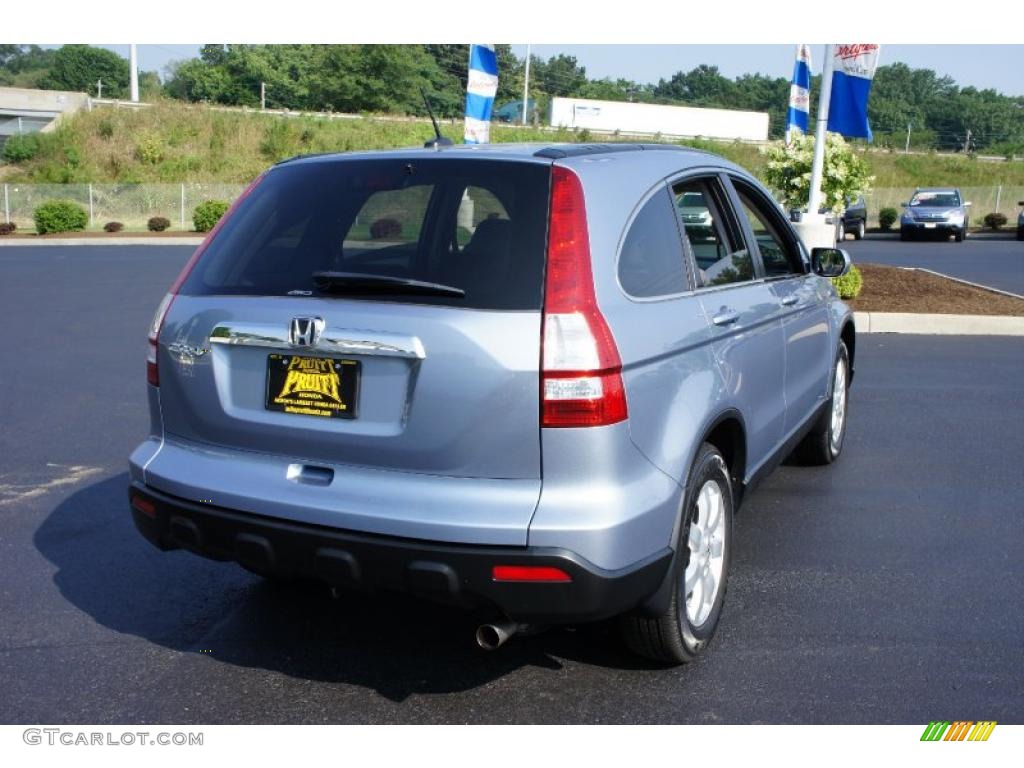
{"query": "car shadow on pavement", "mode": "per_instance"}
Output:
(393, 644)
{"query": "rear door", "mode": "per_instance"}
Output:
(741, 310)
(256, 355)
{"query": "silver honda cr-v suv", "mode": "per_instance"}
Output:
(507, 377)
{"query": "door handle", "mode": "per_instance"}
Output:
(789, 301)
(726, 317)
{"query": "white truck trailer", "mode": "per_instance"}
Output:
(626, 117)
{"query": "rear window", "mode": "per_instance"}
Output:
(476, 225)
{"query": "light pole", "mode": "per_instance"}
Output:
(526, 84)
(814, 204)
(133, 73)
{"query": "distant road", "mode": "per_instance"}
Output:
(995, 263)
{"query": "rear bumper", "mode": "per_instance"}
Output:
(451, 573)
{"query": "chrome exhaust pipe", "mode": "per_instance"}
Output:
(492, 636)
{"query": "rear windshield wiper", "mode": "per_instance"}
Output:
(356, 282)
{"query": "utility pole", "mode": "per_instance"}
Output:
(263, 95)
(99, 89)
(526, 84)
(967, 142)
(133, 72)
(814, 204)
(906, 150)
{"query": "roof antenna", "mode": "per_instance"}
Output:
(438, 141)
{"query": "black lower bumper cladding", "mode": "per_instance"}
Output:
(449, 573)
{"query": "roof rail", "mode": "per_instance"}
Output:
(579, 150)
(304, 157)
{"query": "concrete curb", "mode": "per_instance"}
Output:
(99, 241)
(938, 325)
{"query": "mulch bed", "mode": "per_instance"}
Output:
(891, 289)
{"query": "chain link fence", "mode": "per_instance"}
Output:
(131, 204)
(134, 204)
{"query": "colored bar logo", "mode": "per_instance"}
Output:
(960, 730)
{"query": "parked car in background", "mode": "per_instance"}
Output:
(505, 377)
(935, 211)
(854, 220)
(1020, 222)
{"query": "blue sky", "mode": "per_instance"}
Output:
(983, 66)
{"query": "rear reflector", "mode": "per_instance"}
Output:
(529, 573)
(145, 506)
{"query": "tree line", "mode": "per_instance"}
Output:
(938, 113)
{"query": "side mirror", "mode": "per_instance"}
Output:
(1020, 202)
(904, 205)
(830, 262)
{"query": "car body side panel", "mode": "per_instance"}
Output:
(602, 498)
(808, 340)
(751, 359)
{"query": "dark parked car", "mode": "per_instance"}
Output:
(854, 220)
(1020, 222)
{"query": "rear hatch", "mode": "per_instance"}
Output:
(382, 313)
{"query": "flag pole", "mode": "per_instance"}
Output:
(814, 204)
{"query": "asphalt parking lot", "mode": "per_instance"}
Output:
(997, 263)
(886, 589)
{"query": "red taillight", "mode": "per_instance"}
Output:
(581, 372)
(145, 506)
(152, 363)
(529, 573)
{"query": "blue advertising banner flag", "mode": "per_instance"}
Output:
(799, 92)
(481, 88)
(854, 67)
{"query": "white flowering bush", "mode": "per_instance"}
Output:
(788, 172)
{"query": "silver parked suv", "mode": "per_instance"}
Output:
(506, 377)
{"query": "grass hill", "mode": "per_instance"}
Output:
(174, 142)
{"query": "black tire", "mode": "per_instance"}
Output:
(858, 234)
(672, 638)
(959, 234)
(905, 235)
(1020, 234)
(818, 447)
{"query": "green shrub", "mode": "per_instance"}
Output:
(105, 129)
(848, 286)
(207, 214)
(149, 149)
(20, 148)
(158, 224)
(113, 226)
(887, 217)
(8, 228)
(995, 220)
(60, 216)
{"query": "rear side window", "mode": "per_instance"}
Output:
(476, 225)
(652, 262)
